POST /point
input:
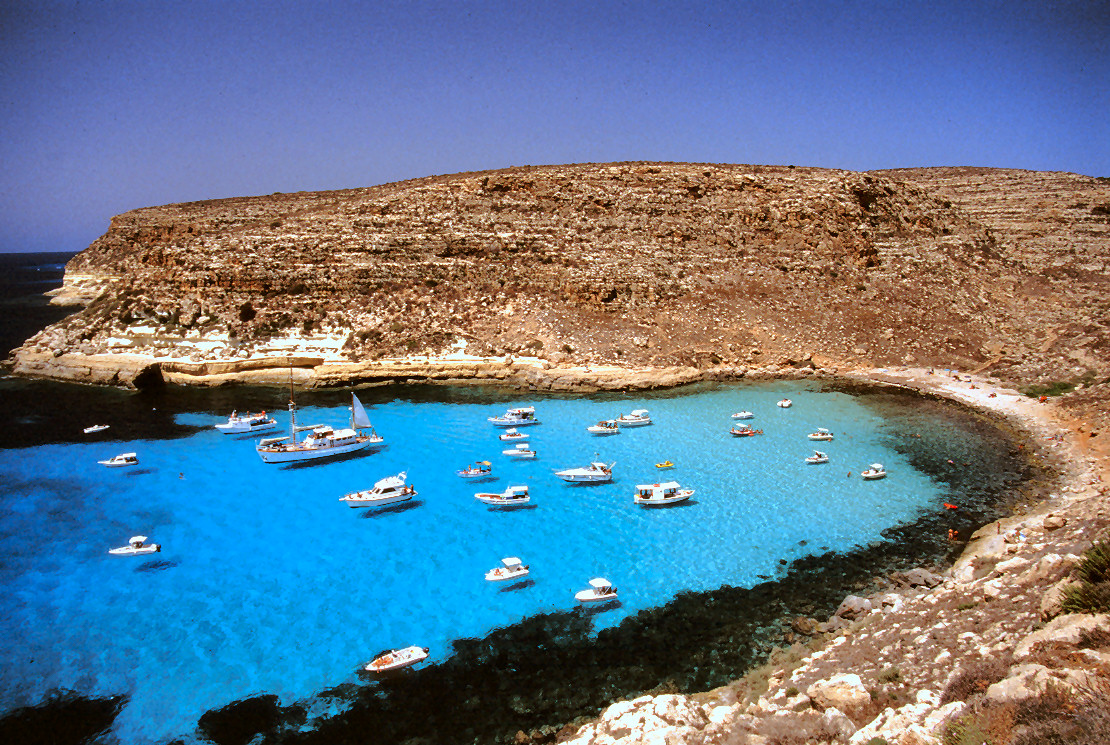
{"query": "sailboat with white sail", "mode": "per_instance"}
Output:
(322, 441)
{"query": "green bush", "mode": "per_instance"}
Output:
(1054, 388)
(889, 675)
(1092, 595)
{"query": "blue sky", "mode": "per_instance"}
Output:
(109, 106)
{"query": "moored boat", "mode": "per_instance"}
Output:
(817, 457)
(511, 497)
(136, 546)
(604, 427)
(743, 415)
(394, 659)
(518, 417)
(595, 473)
(481, 469)
(512, 434)
(322, 441)
(743, 430)
(123, 459)
(821, 434)
(520, 452)
(389, 490)
(668, 492)
(876, 471)
(665, 465)
(601, 590)
(785, 403)
(95, 428)
(237, 423)
(638, 418)
(511, 568)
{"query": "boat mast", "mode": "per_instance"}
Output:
(292, 408)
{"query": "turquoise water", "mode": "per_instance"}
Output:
(268, 584)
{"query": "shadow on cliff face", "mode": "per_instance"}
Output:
(64, 718)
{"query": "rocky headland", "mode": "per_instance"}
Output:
(980, 285)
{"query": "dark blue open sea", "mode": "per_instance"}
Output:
(269, 593)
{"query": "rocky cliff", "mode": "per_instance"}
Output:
(660, 265)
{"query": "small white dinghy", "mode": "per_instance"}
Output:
(481, 469)
(123, 459)
(511, 497)
(785, 403)
(520, 452)
(743, 415)
(137, 546)
(604, 427)
(601, 590)
(876, 471)
(95, 428)
(817, 457)
(821, 434)
(511, 568)
(389, 490)
(395, 659)
(513, 434)
(668, 492)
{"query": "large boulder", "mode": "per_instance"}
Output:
(844, 691)
(1066, 630)
(1024, 683)
(853, 607)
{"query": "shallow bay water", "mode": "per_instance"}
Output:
(267, 584)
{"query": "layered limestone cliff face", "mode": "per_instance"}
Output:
(632, 264)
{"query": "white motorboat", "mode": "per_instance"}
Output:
(601, 590)
(395, 659)
(95, 428)
(668, 492)
(817, 457)
(389, 490)
(876, 471)
(238, 424)
(511, 497)
(785, 403)
(137, 546)
(123, 459)
(481, 469)
(520, 452)
(743, 415)
(821, 434)
(595, 473)
(518, 417)
(511, 568)
(604, 427)
(322, 441)
(511, 434)
(638, 418)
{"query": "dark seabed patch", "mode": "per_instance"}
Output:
(64, 718)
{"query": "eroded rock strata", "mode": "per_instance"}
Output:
(636, 264)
